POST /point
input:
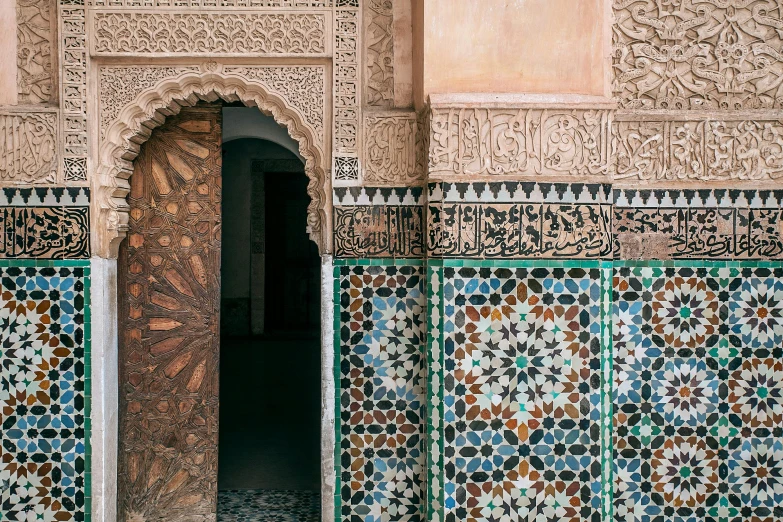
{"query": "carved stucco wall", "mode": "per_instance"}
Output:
(698, 85)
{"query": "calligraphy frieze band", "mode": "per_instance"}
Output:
(120, 33)
(704, 224)
(519, 220)
(703, 148)
(378, 231)
(589, 141)
(44, 232)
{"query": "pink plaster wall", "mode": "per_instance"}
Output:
(548, 46)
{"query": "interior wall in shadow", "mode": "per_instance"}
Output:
(270, 383)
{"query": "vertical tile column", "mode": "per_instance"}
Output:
(45, 390)
(379, 371)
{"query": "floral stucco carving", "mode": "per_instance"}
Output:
(379, 53)
(34, 20)
(120, 85)
(240, 33)
(149, 108)
(28, 147)
(698, 54)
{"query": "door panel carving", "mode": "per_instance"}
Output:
(169, 270)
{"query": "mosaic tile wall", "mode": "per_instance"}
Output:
(44, 391)
(380, 330)
(642, 391)
(578, 389)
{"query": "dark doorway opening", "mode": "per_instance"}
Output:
(270, 363)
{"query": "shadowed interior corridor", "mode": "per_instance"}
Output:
(269, 449)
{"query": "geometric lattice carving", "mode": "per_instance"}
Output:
(346, 93)
(73, 81)
(170, 304)
(346, 169)
(75, 169)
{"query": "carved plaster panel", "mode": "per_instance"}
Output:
(698, 54)
(121, 85)
(346, 93)
(304, 87)
(295, 4)
(34, 19)
(392, 148)
(697, 150)
(125, 33)
(379, 53)
(28, 147)
(519, 141)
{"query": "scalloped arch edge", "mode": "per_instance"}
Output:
(137, 120)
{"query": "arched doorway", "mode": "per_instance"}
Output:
(169, 309)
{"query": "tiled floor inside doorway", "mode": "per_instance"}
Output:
(268, 506)
(270, 452)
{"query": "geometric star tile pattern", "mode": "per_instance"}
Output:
(268, 506)
(698, 392)
(44, 458)
(381, 332)
(522, 391)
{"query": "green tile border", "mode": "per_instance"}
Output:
(336, 363)
(607, 381)
(435, 508)
(86, 279)
(697, 263)
(380, 261)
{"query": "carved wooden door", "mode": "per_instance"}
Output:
(169, 288)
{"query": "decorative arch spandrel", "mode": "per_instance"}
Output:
(300, 112)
